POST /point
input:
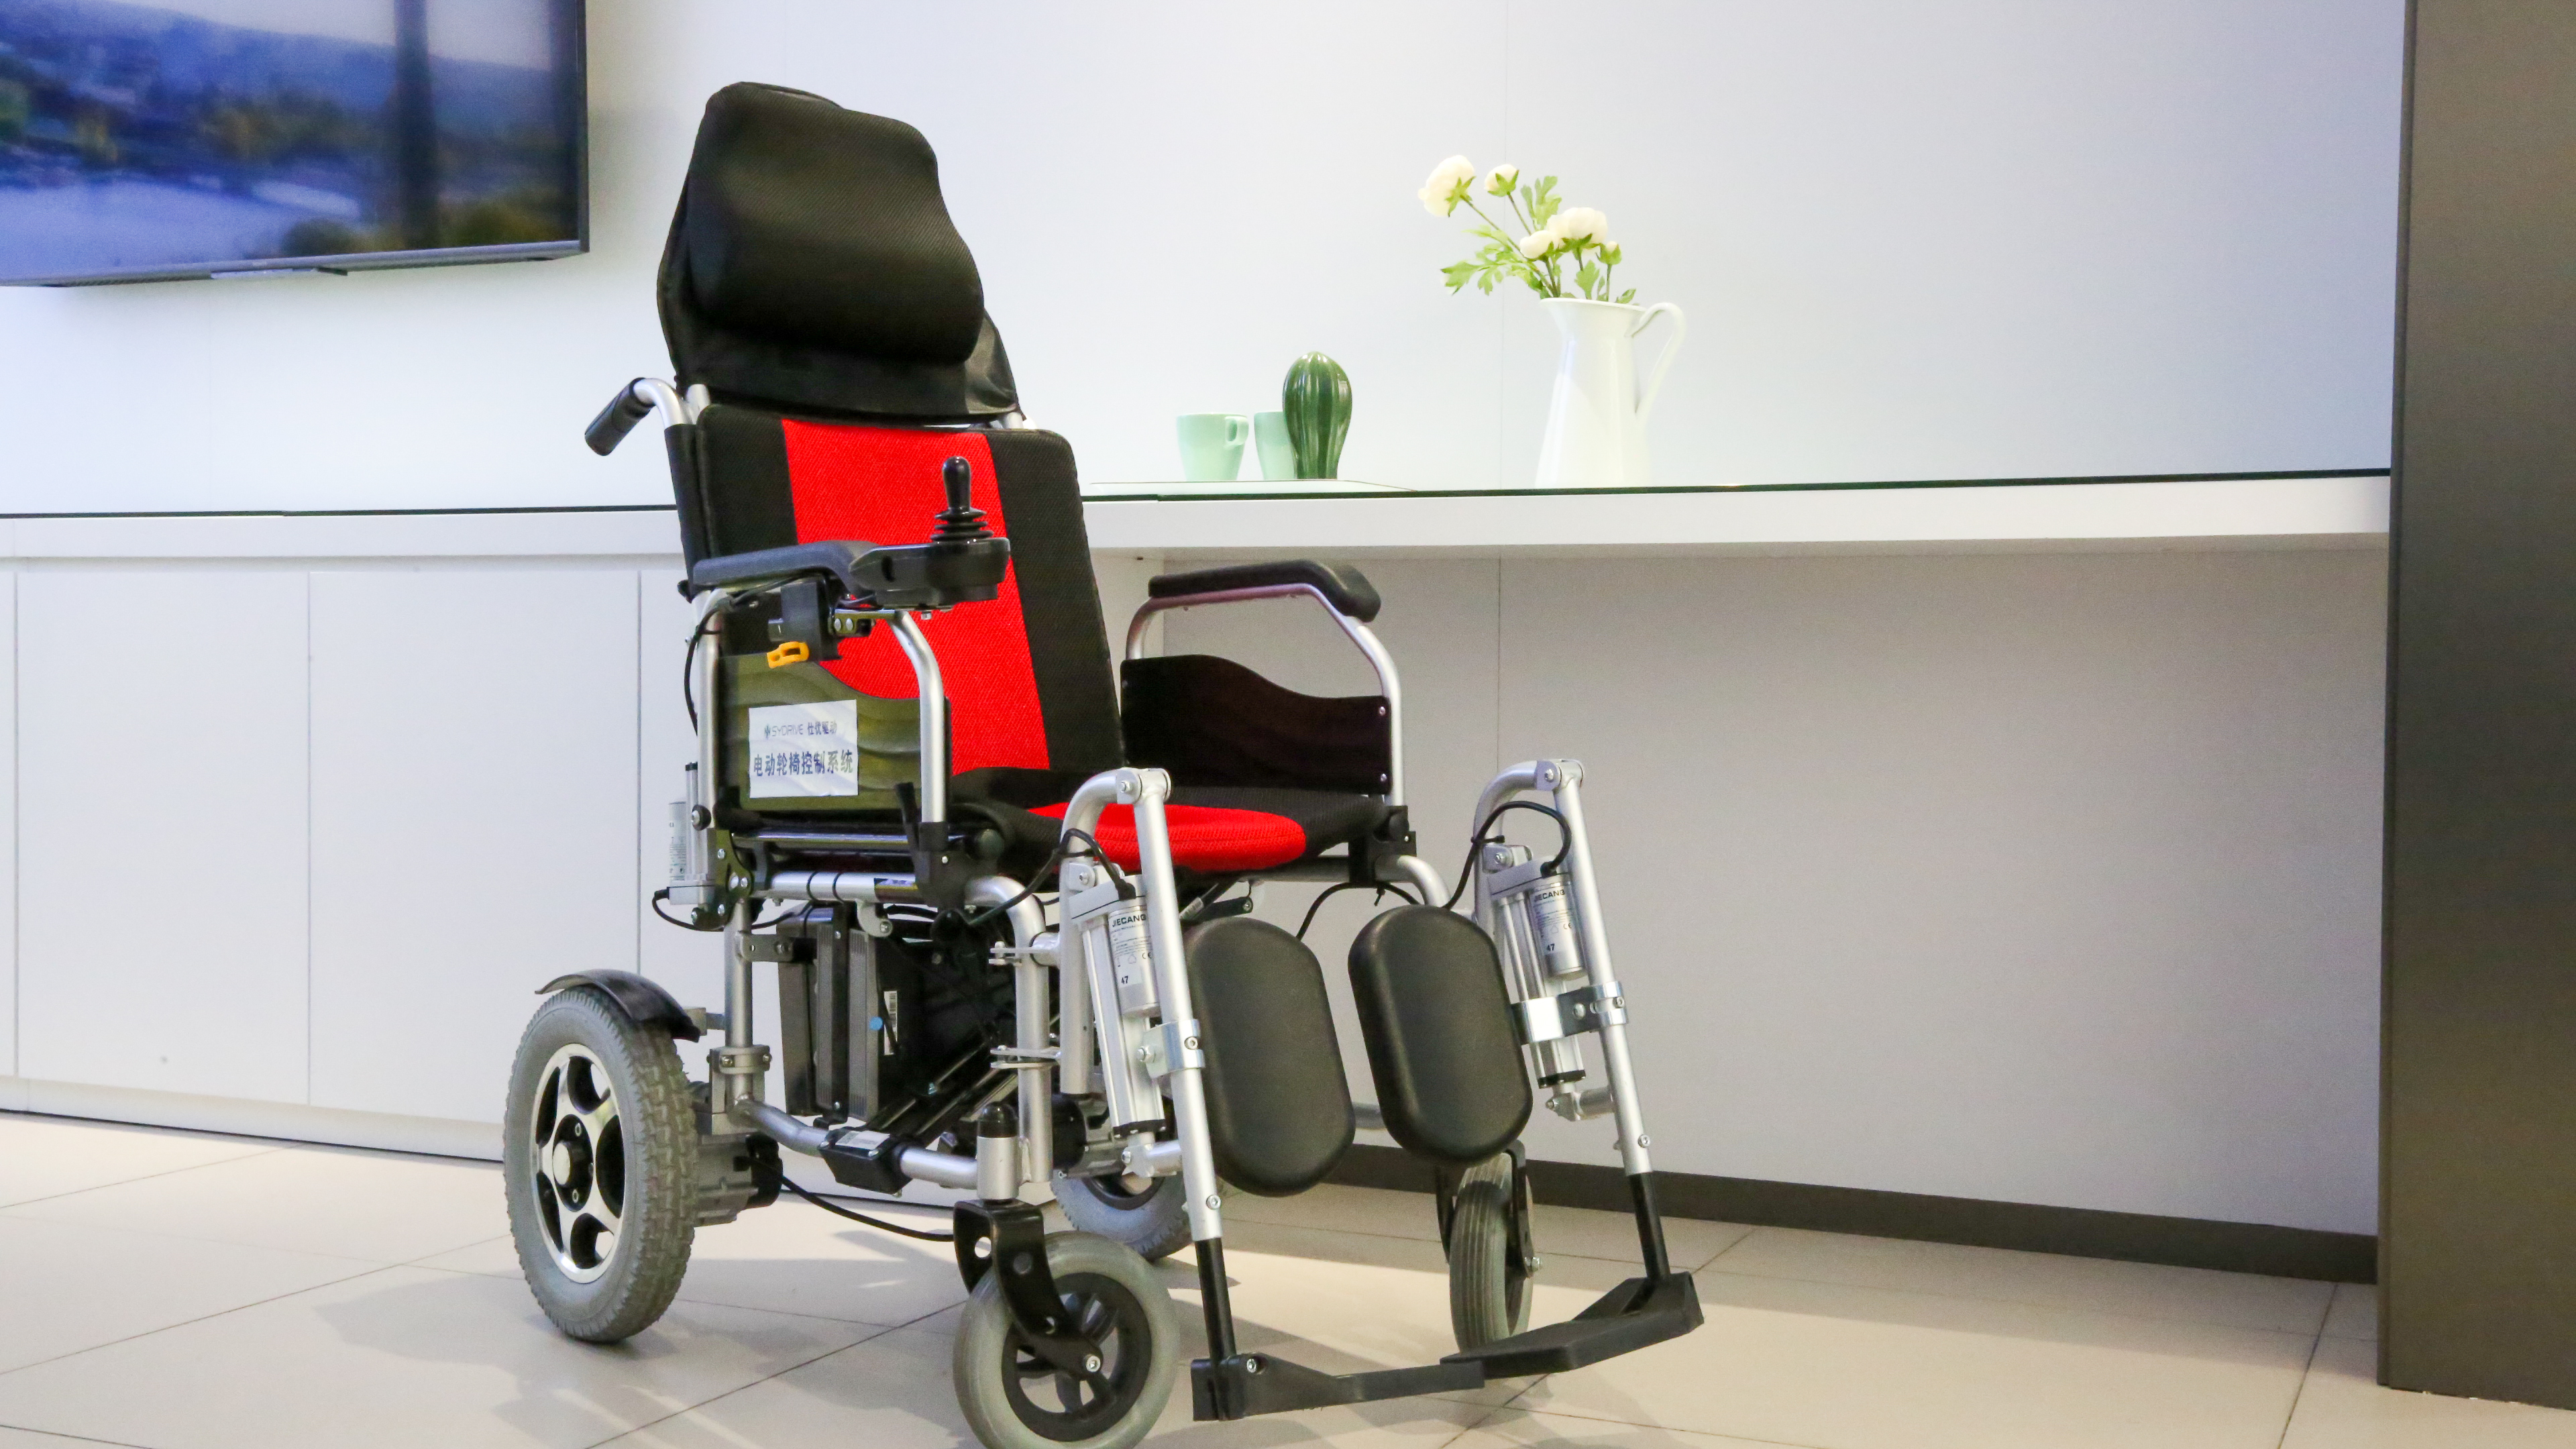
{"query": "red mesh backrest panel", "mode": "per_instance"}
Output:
(883, 485)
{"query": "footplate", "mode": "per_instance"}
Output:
(1637, 1313)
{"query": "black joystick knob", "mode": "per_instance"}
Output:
(961, 520)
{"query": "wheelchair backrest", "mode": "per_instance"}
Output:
(815, 285)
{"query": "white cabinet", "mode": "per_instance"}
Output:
(474, 785)
(161, 827)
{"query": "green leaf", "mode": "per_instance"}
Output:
(1628, 296)
(1585, 276)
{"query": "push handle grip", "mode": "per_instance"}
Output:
(617, 419)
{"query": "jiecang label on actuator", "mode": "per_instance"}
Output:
(802, 751)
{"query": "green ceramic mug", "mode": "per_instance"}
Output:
(1270, 437)
(1212, 446)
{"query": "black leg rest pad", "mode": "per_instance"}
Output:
(1439, 1032)
(1279, 1113)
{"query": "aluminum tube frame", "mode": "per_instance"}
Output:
(1360, 636)
(1424, 875)
(941, 1169)
(1564, 780)
(1146, 790)
(1030, 1019)
(850, 886)
(666, 400)
(934, 718)
(735, 1081)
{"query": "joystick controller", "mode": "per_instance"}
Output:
(961, 521)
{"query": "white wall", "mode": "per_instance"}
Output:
(1916, 240)
(2043, 879)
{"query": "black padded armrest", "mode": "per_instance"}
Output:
(838, 558)
(930, 575)
(1344, 587)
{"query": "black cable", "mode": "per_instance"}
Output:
(1479, 840)
(837, 1210)
(1327, 893)
(698, 632)
(1063, 851)
(664, 894)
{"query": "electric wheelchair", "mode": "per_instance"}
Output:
(1004, 890)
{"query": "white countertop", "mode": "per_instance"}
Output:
(1174, 519)
(1344, 519)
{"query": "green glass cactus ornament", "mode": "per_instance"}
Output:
(1317, 399)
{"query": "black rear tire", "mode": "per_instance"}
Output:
(599, 1162)
(1149, 1216)
(1488, 1282)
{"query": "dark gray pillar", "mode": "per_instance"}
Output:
(2478, 1215)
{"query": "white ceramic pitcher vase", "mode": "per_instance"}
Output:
(1596, 422)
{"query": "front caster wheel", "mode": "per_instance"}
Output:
(1149, 1214)
(1015, 1399)
(1488, 1277)
(599, 1154)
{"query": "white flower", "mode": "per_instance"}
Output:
(1448, 185)
(1582, 223)
(1501, 180)
(1539, 243)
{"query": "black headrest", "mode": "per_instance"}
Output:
(812, 266)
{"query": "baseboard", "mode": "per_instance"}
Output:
(242, 1117)
(2081, 1232)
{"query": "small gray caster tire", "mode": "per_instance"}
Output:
(1014, 1399)
(599, 1158)
(1150, 1215)
(1488, 1282)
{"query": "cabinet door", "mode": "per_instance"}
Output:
(162, 781)
(474, 821)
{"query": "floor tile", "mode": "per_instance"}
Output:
(2343, 1407)
(895, 1392)
(1865, 1368)
(30, 1439)
(2240, 1300)
(400, 1357)
(1387, 1213)
(2046, 1280)
(384, 1207)
(2355, 1313)
(71, 1287)
(47, 1156)
(1516, 1429)
(791, 1258)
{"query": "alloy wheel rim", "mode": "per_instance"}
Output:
(577, 1162)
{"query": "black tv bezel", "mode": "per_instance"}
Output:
(342, 264)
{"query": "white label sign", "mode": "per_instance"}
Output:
(805, 750)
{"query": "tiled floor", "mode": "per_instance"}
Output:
(179, 1291)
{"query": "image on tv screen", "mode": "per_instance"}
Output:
(193, 136)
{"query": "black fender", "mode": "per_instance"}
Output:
(643, 1001)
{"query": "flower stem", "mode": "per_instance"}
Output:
(1529, 273)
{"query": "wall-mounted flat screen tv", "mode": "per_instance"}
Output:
(191, 138)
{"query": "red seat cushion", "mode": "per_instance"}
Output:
(1205, 838)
